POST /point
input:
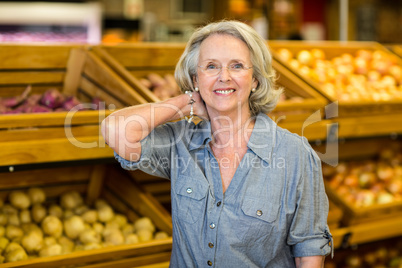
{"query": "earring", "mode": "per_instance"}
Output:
(196, 89)
(253, 90)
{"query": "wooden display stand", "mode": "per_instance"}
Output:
(112, 184)
(57, 136)
(364, 150)
(335, 49)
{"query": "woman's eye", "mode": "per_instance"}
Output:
(237, 66)
(211, 66)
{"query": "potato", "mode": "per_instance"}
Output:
(66, 244)
(52, 250)
(68, 213)
(73, 226)
(19, 199)
(9, 209)
(71, 200)
(89, 236)
(51, 225)
(11, 247)
(32, 242)
(3, 244)
(144, 235)
(100, 203)
(105, 213)
(161, 235)
(92, 246)
(98, 227)
(55, 210)
(49, 240)
(14, 219)
(81, 209)
(3, 219)
(144, 223)
(132, 239)
(2, 231)
(114, 237)
(36, 195)
(13, 232)
(25, 216)
(28, 227)
(18, 254)
(127, 229)
(38, 213)
(90, 216)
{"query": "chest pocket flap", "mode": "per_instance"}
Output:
(260, 209)
(191, 188)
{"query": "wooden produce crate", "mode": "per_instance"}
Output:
(360, 102)
(334, 216)
(135, 61)
(366, 184)
(111, 183)
(57, 136)
(396, 48)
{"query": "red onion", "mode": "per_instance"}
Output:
(52, 98)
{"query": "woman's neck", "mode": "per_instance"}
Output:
(232, 129)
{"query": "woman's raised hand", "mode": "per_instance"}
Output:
(199, 106)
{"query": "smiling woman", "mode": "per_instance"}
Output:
(232, 204)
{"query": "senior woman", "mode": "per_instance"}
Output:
(245, 192)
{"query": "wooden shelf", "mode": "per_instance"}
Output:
(367, 232)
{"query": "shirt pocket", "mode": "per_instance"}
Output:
(191, 198)
(258, 219)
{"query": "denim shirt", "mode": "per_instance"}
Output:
(275, 208)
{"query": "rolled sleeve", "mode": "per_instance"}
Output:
(157, 150)
(309, 233)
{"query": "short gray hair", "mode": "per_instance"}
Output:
(265, 98)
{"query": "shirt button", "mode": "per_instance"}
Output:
(259, 212)
(189, 190)
(209, 263)
(210, 245)
(212, 225)
(219, 203)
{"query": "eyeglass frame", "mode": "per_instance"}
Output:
(244, 68)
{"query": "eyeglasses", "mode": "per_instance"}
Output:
(235, 69)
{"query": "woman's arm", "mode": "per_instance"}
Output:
(124, 129)
(310, 262)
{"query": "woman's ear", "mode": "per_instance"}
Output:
(195, 83)
(254, 83)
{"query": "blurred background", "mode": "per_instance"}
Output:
(113, 21)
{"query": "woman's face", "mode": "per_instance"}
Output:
(225, 93)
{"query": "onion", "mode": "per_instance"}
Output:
(52, 98)
(72, 103)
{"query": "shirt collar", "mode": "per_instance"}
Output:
(261, 142)
(201, 136)
(262, 139)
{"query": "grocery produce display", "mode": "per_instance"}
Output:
(164, 87)
(368, 182)
(52, 100)
(385, 254)
(33, 226)
(362, 75)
